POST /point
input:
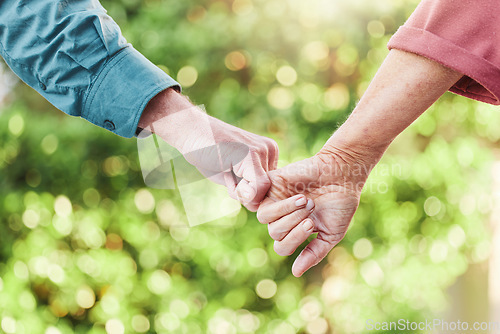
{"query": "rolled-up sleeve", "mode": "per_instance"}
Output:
(74, 55)
(463, 35)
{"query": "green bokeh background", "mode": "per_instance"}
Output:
(85, 247)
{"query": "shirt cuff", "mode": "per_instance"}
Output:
(480, 81)
(121, 91)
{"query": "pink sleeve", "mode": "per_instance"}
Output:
(463, 35)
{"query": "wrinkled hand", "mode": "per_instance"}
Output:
(223, 153)
(333, 180)
(233, 157)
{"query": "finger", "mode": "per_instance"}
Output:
(257, 179)
(270, 210)
(230, 183)
(273, 154)
(280, 228)
(244, 191)
(294, 239)
(314, 252)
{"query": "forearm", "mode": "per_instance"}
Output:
(403, 88)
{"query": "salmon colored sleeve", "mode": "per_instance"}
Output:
(463, 35)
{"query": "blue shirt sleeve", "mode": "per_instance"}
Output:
(74, 55)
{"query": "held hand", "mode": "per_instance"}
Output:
(223, 153)
(232, 157)
(333, 181)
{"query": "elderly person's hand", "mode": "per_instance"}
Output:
(223, 153)
(319, 194)
(404, 87)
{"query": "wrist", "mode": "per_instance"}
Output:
(172, 117)
(360, 158)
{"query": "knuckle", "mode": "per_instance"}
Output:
(272, 146)
(316, 257)
(264, 181)
(299, 215)
(257, 148)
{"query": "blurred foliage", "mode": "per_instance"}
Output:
(85, 248)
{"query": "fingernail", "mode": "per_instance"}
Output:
(310, 205)
(301, 201)
(307, 225)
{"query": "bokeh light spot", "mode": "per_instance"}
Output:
(335, 288)
(347, 54)
(311, 113)
(62, 206)
(27, 301)
(33, 178)
(432, 206)
(438, 251)
(159, 282)
(21, 270)
(167, 321)
(196, 13)
(187, 76)
(144, 201)
(114, 326)
(372, 273)
(376, 29)
(280, 98)
(16, 125)
(316, 51)
(467, 204)
(310, 309)
(140, 323)
(266, 288)
(362, 248)
(317, 326)
(114, 166)
(148, 258)
(8, 325)
(456, 236)
(247, 322)
(85, 297)
(109, 303)
(180, 308)
(236, 60)
(91, 197)
(337, 96)
(63, 225)
(286, 76)
(282, 327)
(257, 257)
(114, 242)
(31, 218)
(242, 7)
(310, 93)
(56, 273)
(52, 330)
(49, 144)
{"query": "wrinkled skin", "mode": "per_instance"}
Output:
(334, 182)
